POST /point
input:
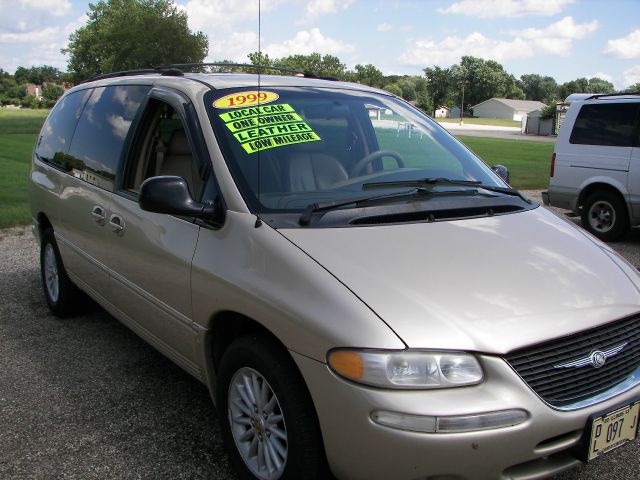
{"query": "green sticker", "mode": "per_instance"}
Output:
(268, 126)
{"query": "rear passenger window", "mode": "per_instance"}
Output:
(610, 124)
(101, 132)
(56, 133)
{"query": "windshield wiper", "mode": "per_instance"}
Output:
(433, 182)
(312, 208)
(421, 183)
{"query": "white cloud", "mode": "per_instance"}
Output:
(57, 8)
(308, 41)
(234, 47)
(38, 36)
(318, 8)
(631, 76)
(556, 39)
(566, 28)
(384, 27)
(39, 46)
(625, 48)
(601, 75)
(505, 8)
(449, 50)
(211, 16)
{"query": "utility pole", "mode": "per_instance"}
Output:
(462, 104)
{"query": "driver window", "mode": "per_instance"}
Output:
(412, 143)
(163, 149)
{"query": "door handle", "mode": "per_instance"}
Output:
(117, 223)
(97, 212)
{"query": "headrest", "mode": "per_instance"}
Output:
(179, 144)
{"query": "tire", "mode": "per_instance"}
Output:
(62, 296)
(281, 421)
(605, 215)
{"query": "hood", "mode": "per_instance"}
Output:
(490, 285)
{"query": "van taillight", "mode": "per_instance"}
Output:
(553, 164)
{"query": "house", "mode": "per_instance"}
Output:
(506, 108)
(35, 90)
(442, 112)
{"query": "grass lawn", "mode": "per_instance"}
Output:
(22, 120)
(482, 121)
(15, 156)
(19, 129)
(528, 161)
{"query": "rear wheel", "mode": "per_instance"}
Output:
(62, 296)
(604, 214)
(266, 414)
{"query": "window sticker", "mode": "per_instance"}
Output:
(268, 126)
(246, 99)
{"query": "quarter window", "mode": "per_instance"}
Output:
(101, 132)
(57, 131)
(608, 124)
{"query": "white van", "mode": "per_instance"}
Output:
(595, 167)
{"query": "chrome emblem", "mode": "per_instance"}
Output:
(596, 359)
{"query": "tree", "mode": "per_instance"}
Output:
(439, 88)
(132, 34)
(368, 75)
(37, 75)
(487, 79)
(632, 88)
(394, 88)
(408, 87)
(537, 87)
(51, 94)
(599, 85)
(320, 65)
(583, 85)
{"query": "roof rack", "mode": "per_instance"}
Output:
(174, 72)
(619, 94)
(301, 73)
(178, 70)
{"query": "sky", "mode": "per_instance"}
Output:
(564, 39)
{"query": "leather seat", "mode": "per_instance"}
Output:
(312, 171)
(178, 161)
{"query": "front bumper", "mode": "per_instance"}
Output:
(358, 448)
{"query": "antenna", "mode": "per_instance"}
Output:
(258, 222)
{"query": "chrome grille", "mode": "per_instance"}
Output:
(563, 386)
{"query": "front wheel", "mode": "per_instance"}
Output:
(605, 216)
(266, 415)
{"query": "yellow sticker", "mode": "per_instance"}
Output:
(264, 127)
(245, 99)
(279, 141)
(256, 111)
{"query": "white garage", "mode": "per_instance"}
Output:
(506, 108)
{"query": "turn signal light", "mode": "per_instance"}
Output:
(347, 363)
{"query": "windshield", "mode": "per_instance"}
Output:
(288, 148)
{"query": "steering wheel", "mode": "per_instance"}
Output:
(358, 168)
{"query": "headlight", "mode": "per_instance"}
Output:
(406, 368)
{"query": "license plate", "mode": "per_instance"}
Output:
(613, 430)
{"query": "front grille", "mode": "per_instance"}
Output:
(563, 386)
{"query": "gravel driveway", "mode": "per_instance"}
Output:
(85, 398)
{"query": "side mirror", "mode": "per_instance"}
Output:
(170, 195)
(502, 171)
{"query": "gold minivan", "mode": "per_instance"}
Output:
(362, 295)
